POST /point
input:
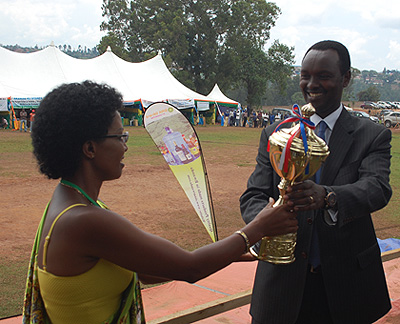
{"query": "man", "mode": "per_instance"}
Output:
(31, 119)
(22, 120)
(238, 117)
(340, 278)
(245, 117)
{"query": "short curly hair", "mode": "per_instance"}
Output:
(67, 117)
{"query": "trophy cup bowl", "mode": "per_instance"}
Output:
(302, 165)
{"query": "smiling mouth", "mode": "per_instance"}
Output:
(314, 95)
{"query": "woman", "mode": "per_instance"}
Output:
(87, 259)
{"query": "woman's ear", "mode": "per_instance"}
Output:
(89, 149)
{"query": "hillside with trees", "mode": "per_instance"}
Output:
(82, 52)
(376, 86)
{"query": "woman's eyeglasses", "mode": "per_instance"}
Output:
(123, 137)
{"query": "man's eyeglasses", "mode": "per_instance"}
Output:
(123, 137)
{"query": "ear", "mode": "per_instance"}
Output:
(346, 78)
(89, 149)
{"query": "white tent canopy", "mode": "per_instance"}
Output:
(217, 95)
(33, 75)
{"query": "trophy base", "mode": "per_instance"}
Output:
(276, 249)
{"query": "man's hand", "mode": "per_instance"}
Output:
(305, 195)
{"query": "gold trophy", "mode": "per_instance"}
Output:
(290, 145)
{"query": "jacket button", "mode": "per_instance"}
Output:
(309, 221)
(304, 255)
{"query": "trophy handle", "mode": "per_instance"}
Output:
(282, 190)
(254, 253)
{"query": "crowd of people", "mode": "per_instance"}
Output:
(23, 120)
(247, 117)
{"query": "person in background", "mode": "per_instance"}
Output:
(3, 122)
(254, 116)
(87, 260)
(232, 118)
(31, 119)
(238, 117)
(337, 276)
(271, 118)
(244, 117)
(22, 120)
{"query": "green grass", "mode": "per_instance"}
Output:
(216, 141)
(20, 143)
(392, 210)
(12, 283)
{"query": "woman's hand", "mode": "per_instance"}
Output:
(246, 257)
(277, 220)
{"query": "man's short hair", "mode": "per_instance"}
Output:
(344, 56)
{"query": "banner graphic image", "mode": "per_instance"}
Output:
(177, 141)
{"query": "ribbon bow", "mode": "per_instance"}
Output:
(304, 122)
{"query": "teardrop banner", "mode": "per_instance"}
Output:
(177, 141)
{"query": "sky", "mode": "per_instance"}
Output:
(370, 29)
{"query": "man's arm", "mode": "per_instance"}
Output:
(372, 190)
(260, 186)
(362, 182)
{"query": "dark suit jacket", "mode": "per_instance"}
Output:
(357, 169)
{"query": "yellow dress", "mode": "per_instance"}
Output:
(106, 293)
(90, 297)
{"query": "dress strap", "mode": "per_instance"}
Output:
(47, 240)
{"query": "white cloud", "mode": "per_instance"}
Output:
(394, 52)
(365, 27)
(40, 22)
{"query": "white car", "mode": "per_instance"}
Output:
(392, 119)
(362, 114)
(384, 104)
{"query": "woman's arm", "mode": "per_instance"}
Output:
(112, 237)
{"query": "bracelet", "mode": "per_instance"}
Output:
(246, 240)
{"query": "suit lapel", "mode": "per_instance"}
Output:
(340, 142)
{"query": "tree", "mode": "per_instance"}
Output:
(371, 94)
(201, 41)
(298, 98)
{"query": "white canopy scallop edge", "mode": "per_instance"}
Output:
(33, 75)
(217, 95)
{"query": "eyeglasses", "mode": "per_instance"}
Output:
(123, 137)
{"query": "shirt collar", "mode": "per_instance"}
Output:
(330, 120)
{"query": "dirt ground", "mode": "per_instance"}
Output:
(147, 194)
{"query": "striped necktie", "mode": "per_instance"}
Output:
(321, 133)
(314, 252)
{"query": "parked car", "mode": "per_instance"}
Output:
(384, 105)
(369, 105)
(391, 104)
(392, 119)
(384, 112)
(283, 112)
(362, 114)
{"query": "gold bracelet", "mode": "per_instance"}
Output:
(246, 240)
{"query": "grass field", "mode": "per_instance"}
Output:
(230, 150)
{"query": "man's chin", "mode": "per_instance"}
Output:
(315, 102)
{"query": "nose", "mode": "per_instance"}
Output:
(125, 147)
(312, 82)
